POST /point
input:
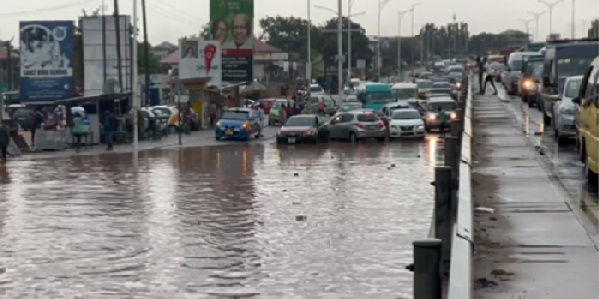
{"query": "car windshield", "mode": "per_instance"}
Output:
(572, 88)
(380, 98)
(300, 122)
(516, 65)
(441, 85)
(537, 67)
(404, 93)
(348, 107)
(406, 114)
(446, 106)
(367, 117)
(572, 67)
(236, 115)
(441, 91)
(424, 84)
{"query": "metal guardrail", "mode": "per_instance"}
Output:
(461, 266)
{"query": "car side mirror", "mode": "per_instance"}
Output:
(576, 101)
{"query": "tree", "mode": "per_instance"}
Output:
(290, 34)
(329, 46)
(205, 32)
(153, 65)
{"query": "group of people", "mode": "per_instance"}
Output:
(485, 68)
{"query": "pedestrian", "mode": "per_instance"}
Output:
(110, 126)
(489, 78)
(4, 141)
(77, 130)
(261, 118)
(442, 118)
(321, 107)
(37, 118)
(187, 119)
(480, 69)
(212, 114)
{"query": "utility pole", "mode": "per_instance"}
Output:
(550, 6)
(350, 2)
(146, 57)
(536, 17)
(9, 66)
(573, 19)
(412, 9)
(135, 94)
(526, 23)
(118, 35)
(103, 9)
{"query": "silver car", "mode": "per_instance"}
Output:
(563, 111)
(330, 105)
(356, 125)
(446, 104)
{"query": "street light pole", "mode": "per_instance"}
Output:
(340, 46)
(573, 19)
(526, 23)
(308, 51)
(350, 2)
(400, 14)
(550, 6)
(135, 93)
(412, 30)
(381, 4)
(536, 17)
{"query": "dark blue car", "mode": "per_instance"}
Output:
(238, 123)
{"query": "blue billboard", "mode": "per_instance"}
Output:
(46, 56)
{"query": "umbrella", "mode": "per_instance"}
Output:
(255, 88)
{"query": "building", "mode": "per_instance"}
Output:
(516, 38)
(163, 49)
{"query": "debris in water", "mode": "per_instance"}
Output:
(300, 218)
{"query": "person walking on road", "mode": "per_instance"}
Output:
(480, 70)
(110, 126)
(212, 114)
(489, 78)
(442, 118)
(77, 130)
(37, 118)
(4, 141)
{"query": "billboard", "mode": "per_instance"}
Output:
(46, 58)
(232, 26)
(100, 60)
(200, 59)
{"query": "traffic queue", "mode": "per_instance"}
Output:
(366, 110)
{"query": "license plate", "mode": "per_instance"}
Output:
(291, 140)
(372, 127)
(229, 133)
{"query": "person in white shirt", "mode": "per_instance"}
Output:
(489, 78)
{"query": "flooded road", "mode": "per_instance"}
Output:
(236, 221)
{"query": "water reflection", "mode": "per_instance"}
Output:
(219, 221)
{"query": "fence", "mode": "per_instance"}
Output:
(448, 254)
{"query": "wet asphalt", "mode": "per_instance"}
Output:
(238, 220)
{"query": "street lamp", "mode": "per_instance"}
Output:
(526, 23)
(400, 15)
(573, 19)
(550, 6)
(412, 9)
(308, 50)
(349, 30)
(536, 17)
(381, 4)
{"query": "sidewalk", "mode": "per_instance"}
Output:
(534, 244)
(194, 139)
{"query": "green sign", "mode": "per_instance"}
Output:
(232, 26)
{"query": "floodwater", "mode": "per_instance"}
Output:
(241, 221)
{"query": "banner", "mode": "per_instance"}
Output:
(188, 60)
(232, 26)
(210, 61)
(46, 56)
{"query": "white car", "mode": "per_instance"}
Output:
(563, 114)
(316, 90)
(407, 123)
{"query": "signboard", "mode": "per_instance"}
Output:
(46, 57)
(210, 61)
(201, 59)
(232, 26)
(101, 66)
(361, 64)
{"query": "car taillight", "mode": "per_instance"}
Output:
(359, 125)
(381, 124)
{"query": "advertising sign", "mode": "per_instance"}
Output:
(210, 61)
(188, 61)
(232, 26)
(46, 57)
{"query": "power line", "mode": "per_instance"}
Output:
(171, 16)
(46, 9)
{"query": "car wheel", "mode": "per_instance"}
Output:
(217, 138)
(353, 138)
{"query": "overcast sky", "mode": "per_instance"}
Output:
(170, 19)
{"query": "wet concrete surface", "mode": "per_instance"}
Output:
(563, 160)
(244, 220)
(535, 243)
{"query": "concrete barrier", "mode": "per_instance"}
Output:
(452, 220)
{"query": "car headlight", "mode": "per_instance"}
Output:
(218, 124)
(310, 132)
(431, 116)
(458, 84)
(527, 84)
(452, 115)
(421, 127)
(278, 133)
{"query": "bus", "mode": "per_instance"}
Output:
(377, 95)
